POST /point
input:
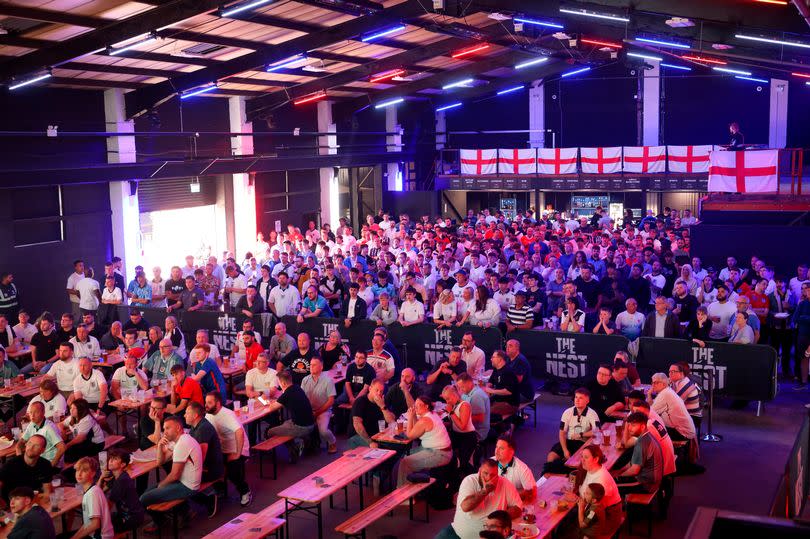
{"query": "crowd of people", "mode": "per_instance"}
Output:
(528, 273)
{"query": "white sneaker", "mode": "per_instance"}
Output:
(247, 499)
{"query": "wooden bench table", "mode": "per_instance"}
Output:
(550, 490)
(247, 526)
(269, 446)
(612, 452)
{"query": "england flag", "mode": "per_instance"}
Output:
(601, 160)
(517, 161)
(557, 160)
(644, 159)
(479, 162)
(688, 158)
(744, 172)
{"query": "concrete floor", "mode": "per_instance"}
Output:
(742, 473)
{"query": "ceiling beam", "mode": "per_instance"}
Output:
(19, 41)
(323, 55)
(111, 33)
(168, 58)
(94, 83)
(142, 100)
(348, 7)
(115, 68)
(55, 17)
(277, 22)
(210, 39)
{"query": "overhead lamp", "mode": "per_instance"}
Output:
(574, 72)
(29, 81)
(538, 23)
(461, 54)
(645, 56)
(802, 75)
(198, 91)
(510, 90)
(457, 84)
(704, 60)
(772, 41)
(310, 98)
(448, 107)
(533, 62)
(679, 22)
(600, 43)
(673, 66)
(777, 2)
(286, 63)
(389, 103)
(764, 81)
(605, 16)
(721, 46)
(112, 51)
(733, 71)
(388, 75)
(663, 43)
(382, 33)
(194, 186)
(245, 6)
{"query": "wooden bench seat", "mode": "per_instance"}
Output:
(357, 524)
(269, 446)
(171, 505)
(276, 509)
(247, 526)
(533, 405)
(641, 499)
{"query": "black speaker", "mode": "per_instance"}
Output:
(133, 188)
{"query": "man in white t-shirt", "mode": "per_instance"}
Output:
(84, 344)
(128, 378)
(515, 470)
(73, 294)
(235, 444)
(577, 425)
(235, 285)
(185, 454)
(472, 355)
(89, 292)
(55, 404)
(44, 427)
(64, 369)
(721, 311)
(479, 495)
(284, 299)
(261, 378)
(90, 385)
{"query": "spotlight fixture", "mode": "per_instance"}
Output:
(531, 63)
(733, 71)
(389, 103)
(114, 51)
(448, 107)
(27, 82)
(245, 6)
(456, 84)
(605, 16)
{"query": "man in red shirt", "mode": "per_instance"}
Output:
(760, 304)
(184, 390)
(252, 349)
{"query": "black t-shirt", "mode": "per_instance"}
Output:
(36, 523)
(369, 413)
(296, 403)
(395, 398)
(688, 305)
(205, 433)
(505, 379)
(520, 366)
(46, 345)
(108, 342)
(6, 336)
(142, 325)
(359, 376)
(298, 363)
(98, 331)
(532, 299)
(16, 473)
(147, 427)
(65, 336)
(175, 287)
(330, 357)
(603, 397)
(589, 289)
(445, 379)
(125, 497)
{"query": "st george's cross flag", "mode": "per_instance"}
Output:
(601, 160)
(744, 172)
(557, 160)
(644, 159)
(688, 158)
(517, 161)
(479, 161)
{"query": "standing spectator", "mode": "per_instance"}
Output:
(699, 329)
(140, 291)
(9, 296)
(721, 311)
(685, 304)
(235, 286)
(251, 303)
(301, 421)
(472, 355)
(235, 444)
(174, 286)
(284, 299)
(313, 306)
(72, 280)
(111, 297)
(385, 313)
(801, 319)
(320, 390)
(89, 292)
(661, 322)
(630, 322)
(780, 308)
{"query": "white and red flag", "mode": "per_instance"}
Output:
(557, 160)
(688, 158)
(479, 161)
(644, 159)
(601, 160)
(517, 161)
(744, 172)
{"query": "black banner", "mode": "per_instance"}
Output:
(567, 356)
(742, 371)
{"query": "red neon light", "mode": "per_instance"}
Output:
(777, 2)
(602, 43)
(704, 60)
(389, 75)
(470, 51)
(802, 75)
(309, 99)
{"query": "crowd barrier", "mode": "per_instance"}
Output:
(794, 485)
(741, 371)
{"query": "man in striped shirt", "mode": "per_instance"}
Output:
(519, 315)
(687, 390)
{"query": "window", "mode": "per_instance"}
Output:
(37, 216)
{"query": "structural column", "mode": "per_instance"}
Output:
(330, 190)
(441, 130)
(125, 216)
(244, 192)
(777, 124)
(651, 104)
(393, 143)
(537, 115)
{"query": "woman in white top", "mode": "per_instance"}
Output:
(688, 279)
(435, 450)
(444, 312)
(592, 471)
(573, 319)
(485, 312)
(85, 436)
(462, 434)
(158, 285)
(178, 339)
(706, 292)
(741, 332)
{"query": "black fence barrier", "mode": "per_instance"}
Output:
(567, 356)
(794, 485)
(741, 371)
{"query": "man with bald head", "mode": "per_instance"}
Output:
(298, 360)
(159, 365)
(400, 397)
(519, 365)
(42, 427)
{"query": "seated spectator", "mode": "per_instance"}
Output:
(159, 365)
(666, 403)
(484, 312)
(573, 318)
(151, 426)
(333, 351)
(367, 411)
(591, 515)
(607, 398)
(90, 385)
(385, 312)
(661, 322)
(320, 390)
(604, 326)
(298, 360)
(400, 397)
(83, 435)
(645, 470)
(261, 379)
(44, 345)
(354, 308)
(200, 338)
(514, 469)
(463, 437)
(632, 371)
(700, 327)
(314, 305)
(435, 449)
(55, 404)
(251, 304)
(630, 322)
(479, 495)
(620, 376)
(183, 481)
(741, 332)
(84, 344)
(128, 378)
(359, 375)
(655, 425)
(503, 387)
(444, 310)
(281, 343)
(234, 441)
(129, 513)
(30, 469)
(472, 355)
(479, 404)
(445, 373)
(46, 429)
(498, 525)
(519, 365)
(31, 520)
(519, 315)
(206, 435)
(205, 371)
(577, 426)
(135, 322)
(411, 311)
(174, 334)
(96, 518)
(592, 471)
(380, 359)
(184, 390)
(687, 389)
(64, 369)
(248, 349)
(301, 420)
